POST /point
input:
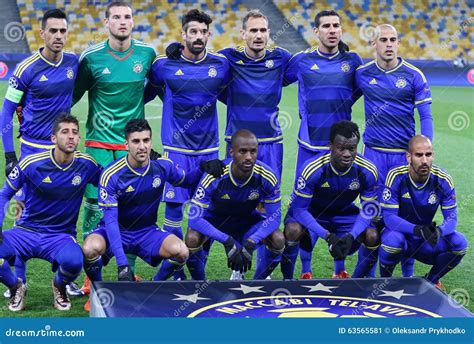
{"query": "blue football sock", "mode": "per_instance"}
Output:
(288, 259)
(444, 263)
(339, 266)
(70, 260)
(267, 261)
(172, 224)
(168, 267)
(197, 263)
(306, 258)
(386, 270)
(20, 269)
(408, 267)
(366, 261)
(7, 276)
(93, 268)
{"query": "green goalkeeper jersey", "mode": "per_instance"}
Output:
(116, 84)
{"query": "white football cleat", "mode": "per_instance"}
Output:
(237, 276)
(60, 298)
(17, 300)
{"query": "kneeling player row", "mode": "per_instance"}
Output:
(224, 209)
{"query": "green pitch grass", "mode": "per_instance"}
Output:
(454, 144)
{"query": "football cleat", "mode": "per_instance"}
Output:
(87, 305)
(7, 294)
(343, 274)
(73, 290)
(306, 275)
(441, 286)
(17, 298)
(237, 276)
(86, 287)
(60, 298)
(137, 278)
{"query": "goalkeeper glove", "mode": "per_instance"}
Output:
(213, 167)
(154, 155)
(173, 51)
(430, 233)
(125, 273)
(247, 251)
(10, 162)
(335, 246)
(234, 259)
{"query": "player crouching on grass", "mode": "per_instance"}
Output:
(130, 191)
(224, 209)
(411, 197)
(55, 183)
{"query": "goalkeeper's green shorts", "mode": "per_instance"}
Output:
(103, 157)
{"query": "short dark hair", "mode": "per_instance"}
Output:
(241, 133)
(255, 13)
(116, 4)
(53, 13)
(64, 118)
(325, 13)
(195, 15)
(136, 125)
(346, 129)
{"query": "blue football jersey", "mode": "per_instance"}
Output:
(53, 192)
(191, 88)
(333, 193)
(390, 97)
(326, 92)
(227, 196)
(136, 192)
(44, 90)
(254, 92)
(416, 203)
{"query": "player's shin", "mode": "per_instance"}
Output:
(408, 267)
(444, 263)
(20, 269)
(288, 259)
(168, 268)
(93, 268)
(197, 263)
(267, 260)
(366, 261)
(7, 277)
(172, 224)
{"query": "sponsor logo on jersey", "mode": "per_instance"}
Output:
(130, 189)
(226, 196)
(106, 71)
(43, 78)
(326, 185)
(314, 67)
(47, 180)
(373, 82)
(179, 72)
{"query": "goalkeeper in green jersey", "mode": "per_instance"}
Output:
(114, 73)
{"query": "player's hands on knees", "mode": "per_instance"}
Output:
(335, 246)
(154, 155)
(346, 242)
(213, 167)
(247, 251)
(234, 258)
(173, 51)
(10, 162)
(125, 273)
(430, 233)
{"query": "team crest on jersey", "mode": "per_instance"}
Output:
(103, 193)
(70, 73)
(345, 67)
(138, 67)
(253, 195)
(212, 73)
(13, 82)
(386, 194)
(269, 63)
(401, 83)
(433, 198)
(76, 180)
(14, 173)
(200, 193)
(156, 182)
(170, 194)
(355, 185)
(301, 183)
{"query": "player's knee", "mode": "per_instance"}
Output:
(277, 241)
(293, 231)
(458, 242)
(175, 248)
(393, 239)
(371, 238)
(73, 261)
(93, 247)
(193, 238)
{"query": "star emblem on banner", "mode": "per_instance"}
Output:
(247, 289)
(319, 287)
(191, 298)
(396, 294)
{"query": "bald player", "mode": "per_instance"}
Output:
(392, 88)
(411, 196)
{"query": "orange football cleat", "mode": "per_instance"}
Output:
(306, 275)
